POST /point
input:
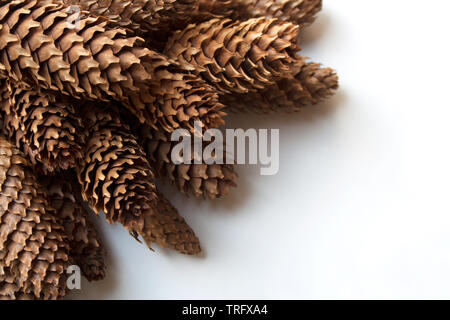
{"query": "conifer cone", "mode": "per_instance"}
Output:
(152, 19)
(237, 57)
(168, 229)
(43, 126)
(86, 250)
(117, 179)
(89, 59)
(208, 9)
(202, 180)
(181, 98)
(115, 175)
(33, 246)
(149, 17)
(41, 46)
(310, 86)
(300, 12)
(155, 20)
(141, 16)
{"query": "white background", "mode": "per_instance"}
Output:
(360, 208)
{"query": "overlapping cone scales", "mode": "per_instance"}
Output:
(33, 247)
(95, 61)
(43, 126)
(117, 178)
(167, 228)
(181, 98)
(87, 59)
(142, 16)
(40, 46)
(310, 86)
(320, 82)
(237, 57)
(202, 180)
(86, 250)
(300, 12)
(115, 175)
(155, 19)
(208, 9)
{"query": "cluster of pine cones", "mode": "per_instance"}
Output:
(90, 98)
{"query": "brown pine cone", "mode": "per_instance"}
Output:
(117, 179)
(300, 12)
(312, 85)
(115, 175)
(155, 17)
(90, 59)
(168, 229)
(33, 246)
(237, 57)
(43, 126)
(155, 20)
(212, 181)
(141, 16)
(181, 98)
(207, 9)
(86, 250)
(152, 19)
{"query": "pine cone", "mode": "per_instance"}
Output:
(44, 127)
(168, 229)
(212, 181)
(312, 85)
(208, 9)
(300, 12)
(33, 247)
(114, 174)
(87, 252)
(141, 16)
(182, 98)
(92, 60)
(155, 20)
(237, 57)
(117, 179)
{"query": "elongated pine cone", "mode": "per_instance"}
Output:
(115, 175)
(207, 9)
(237, 57)
(155, 20)
(300, 12)
(168, 229)
(43, 126)
(141, 16)
(202, 180)
(117, 179)
(33, 246)
(42, 45)
(86, 250)
(181, 98)
(311, 86)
